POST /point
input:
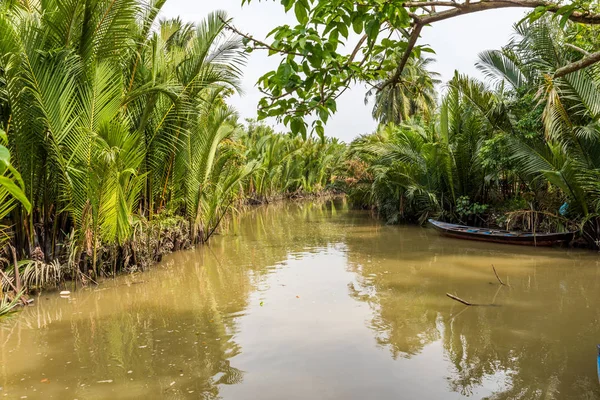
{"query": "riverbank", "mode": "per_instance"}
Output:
(165, 235)
(295, 196)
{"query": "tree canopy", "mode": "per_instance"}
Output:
(320, 63)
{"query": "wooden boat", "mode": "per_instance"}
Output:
(501, 236)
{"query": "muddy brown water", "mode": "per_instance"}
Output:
(314, 301)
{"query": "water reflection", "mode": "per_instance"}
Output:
(315, 301)
(168, 332)
(538, 344)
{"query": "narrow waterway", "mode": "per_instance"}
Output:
(314, 301)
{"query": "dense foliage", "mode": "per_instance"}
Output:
(520, 149)
(117, 142)
(289, 165)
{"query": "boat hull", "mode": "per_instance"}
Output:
(499, 236)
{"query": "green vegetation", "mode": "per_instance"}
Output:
(289, 164)
(521, 149)
(118, 144)
(339, 42)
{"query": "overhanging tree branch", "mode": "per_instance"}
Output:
(314, 73)
(258, 43)
(414, 36)
(577, 49)
(469, 8)
(577, 65)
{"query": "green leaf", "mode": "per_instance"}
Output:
(357, 25)
(563, 20)
(301, 13)
(334, 37)
(403, 19)
(287, 4)
(323, 114)
(306, 68)
(444, 121)
(4, 155)
(372, 30)
(284, 72)
(343, 29)
(298, 127)
(295, 125)
(320, 131)
(15, 191)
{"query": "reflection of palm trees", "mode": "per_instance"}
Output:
(539, 346)
(174, 324)
(531, 347)
(404, 325)
(181, 319)
(539, 361)
(274, 229)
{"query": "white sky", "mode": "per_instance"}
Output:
(456, 43)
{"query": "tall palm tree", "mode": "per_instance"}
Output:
(413, 94)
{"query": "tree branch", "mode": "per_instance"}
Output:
(426, 15)
(453, 297)
(498, 277)
(260, 43)
(414, 36)
(578, 49)
(423, 4)
(468, 8)
(577, 65)
(357, 48)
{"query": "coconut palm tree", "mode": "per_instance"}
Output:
(414, 93)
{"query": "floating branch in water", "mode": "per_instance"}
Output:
(453, 297)
(498, 277)
(466, 303)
